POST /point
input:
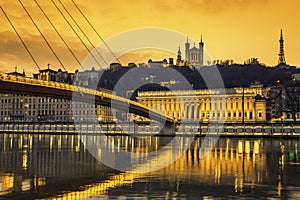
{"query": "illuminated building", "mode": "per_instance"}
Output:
(296, 77)
(17, 107)
(235, 105)
(56, 76)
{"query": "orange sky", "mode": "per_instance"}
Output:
(231, 29)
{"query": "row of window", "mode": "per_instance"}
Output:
(45, 106)
(186, 101)
(204, 106)
(51, 112)
(218, 115)
(43, 112)
(12, 99)
(11, 112)
(35, 118)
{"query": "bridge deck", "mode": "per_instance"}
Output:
(34, 87)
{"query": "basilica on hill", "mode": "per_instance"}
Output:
(193, 56)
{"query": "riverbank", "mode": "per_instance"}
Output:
(145, 129)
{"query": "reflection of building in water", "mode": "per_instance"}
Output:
(42, 163)
(34, 160)
(17, 107)
(209, 105)
(222, 164)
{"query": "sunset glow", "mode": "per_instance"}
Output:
(231, 29)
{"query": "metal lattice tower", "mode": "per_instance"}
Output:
(281, 60)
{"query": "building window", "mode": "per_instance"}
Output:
(259, 114)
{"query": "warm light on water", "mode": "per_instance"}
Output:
(59, 167)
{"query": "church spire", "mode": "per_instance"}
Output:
(179, 52)
(178, 57)
(281, 60)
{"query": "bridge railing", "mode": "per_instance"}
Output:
(64, 86)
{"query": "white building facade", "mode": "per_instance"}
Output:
(235, 105)
(25, 108)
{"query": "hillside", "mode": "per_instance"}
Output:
(233, 75)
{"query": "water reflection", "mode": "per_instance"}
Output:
(60, 167)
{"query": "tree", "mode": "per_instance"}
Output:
(291, 98)
(275, 102)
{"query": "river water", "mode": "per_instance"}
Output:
(62, 167)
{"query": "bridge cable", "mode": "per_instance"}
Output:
(75, 32)
(58, 33)
(42, 35)
(99, 36)
(82, 32)
(25, 46)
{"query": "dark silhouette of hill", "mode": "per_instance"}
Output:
(244, 75)
(233, 75)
